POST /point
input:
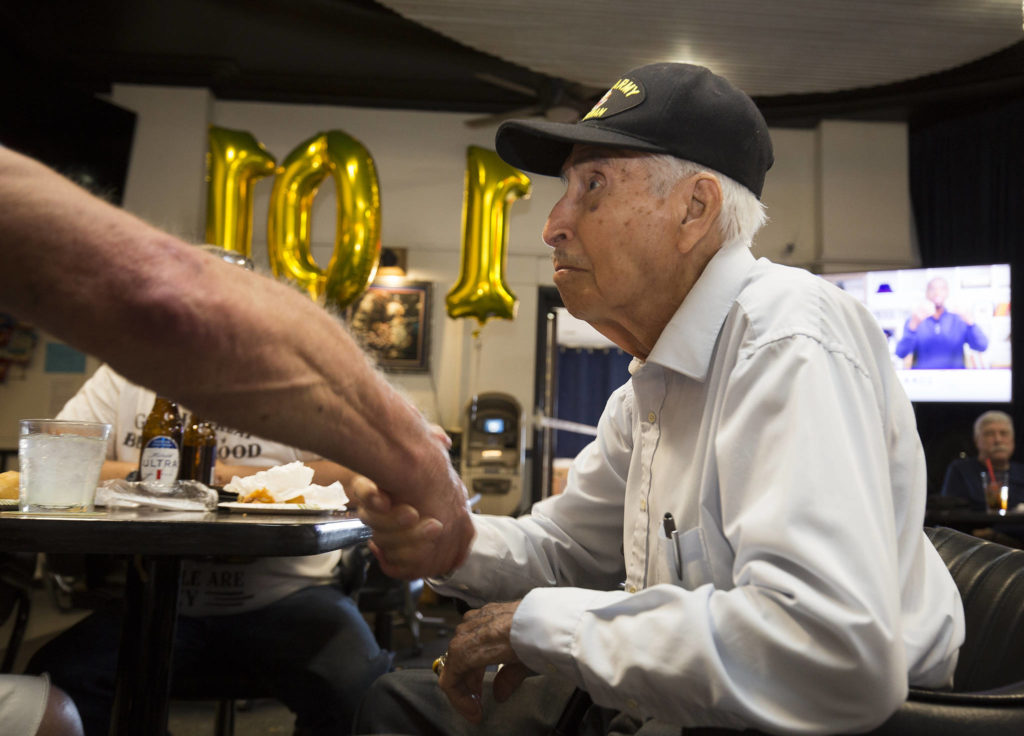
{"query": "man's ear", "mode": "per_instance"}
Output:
(702, 209)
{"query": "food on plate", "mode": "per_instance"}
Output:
(291, 483)
(262, 495)
(9, 484)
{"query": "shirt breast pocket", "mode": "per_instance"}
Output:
(687, 558)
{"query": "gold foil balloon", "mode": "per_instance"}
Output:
(357, 234)
(491, 188)
(234, 160)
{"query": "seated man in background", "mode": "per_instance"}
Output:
(994, 438)
(276, 619)
(741, 546)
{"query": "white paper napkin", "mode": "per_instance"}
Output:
(285, 482)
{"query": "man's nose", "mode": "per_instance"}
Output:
(557, 228)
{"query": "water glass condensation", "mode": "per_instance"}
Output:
(60, 464)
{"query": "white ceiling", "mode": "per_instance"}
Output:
(765, 47)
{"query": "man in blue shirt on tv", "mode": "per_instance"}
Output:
(936, 338)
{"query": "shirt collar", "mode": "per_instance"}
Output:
(688, 340)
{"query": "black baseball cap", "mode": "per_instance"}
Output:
(683, 110)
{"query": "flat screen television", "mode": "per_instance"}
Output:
(961, 353)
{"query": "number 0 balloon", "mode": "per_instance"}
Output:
(357, 234)
(491, 188)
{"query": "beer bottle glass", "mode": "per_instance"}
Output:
(198, 451)
(160, 459)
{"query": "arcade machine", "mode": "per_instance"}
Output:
(492, 453)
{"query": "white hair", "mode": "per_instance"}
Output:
(742, 213)
(991, 417)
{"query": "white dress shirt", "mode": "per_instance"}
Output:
(769, 422)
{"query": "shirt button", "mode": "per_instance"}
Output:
(632, 704)
(552, 669)
(651, 417)
(631, 589)
(643, 504)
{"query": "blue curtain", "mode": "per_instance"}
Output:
(586, 378)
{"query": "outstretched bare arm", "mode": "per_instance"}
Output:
(240, 347)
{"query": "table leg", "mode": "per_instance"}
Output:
(147, 638)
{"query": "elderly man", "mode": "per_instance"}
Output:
(993, 436)
(742, 544)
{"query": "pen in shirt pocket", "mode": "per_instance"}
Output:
(673, 537)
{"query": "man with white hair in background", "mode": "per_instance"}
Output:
(742, 544)
(994, 438)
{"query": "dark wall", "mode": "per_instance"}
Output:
(967, 192)
(85, 138)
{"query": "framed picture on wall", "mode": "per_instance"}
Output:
(392, 322)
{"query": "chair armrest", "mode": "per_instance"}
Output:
(1008, 696)
(997, 712)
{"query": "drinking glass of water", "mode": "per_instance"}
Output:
(59, 463)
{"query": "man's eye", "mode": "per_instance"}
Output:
(593, 183)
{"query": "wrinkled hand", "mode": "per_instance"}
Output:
(408, 545)
(441, 436)
(422, 531)
(483, 638)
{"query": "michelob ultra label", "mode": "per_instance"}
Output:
(161, 459)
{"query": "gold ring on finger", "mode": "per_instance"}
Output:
(439, 664)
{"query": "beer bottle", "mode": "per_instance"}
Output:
(198, 451)
(160, 458)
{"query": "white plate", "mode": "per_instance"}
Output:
(278, 508)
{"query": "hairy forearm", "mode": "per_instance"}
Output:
(240, 348)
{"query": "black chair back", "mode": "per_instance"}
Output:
(991, 582)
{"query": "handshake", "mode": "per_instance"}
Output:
(422, 532)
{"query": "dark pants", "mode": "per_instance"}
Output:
(410, 702)
(311, 650)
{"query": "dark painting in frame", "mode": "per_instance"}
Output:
(392, 322)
